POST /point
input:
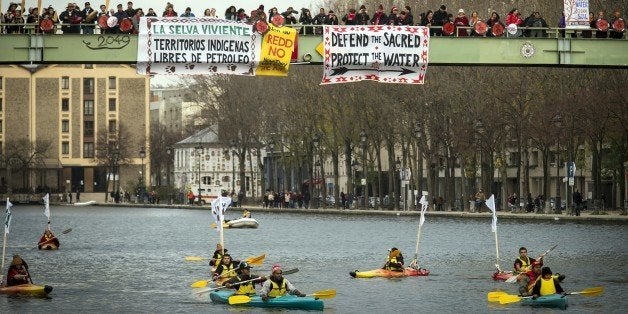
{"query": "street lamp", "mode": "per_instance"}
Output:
(198, 150)
(168, 152)
(317, 164)
(271, 147)
(232, 146)
(479, 128)
(142, 187)
(557, 201)
(363, 138)
(354, 167)
(398, 192)
(317, 172)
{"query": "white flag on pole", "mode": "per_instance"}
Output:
(217, 213)
(490, 203)
(424, 205)
(47, 205)
(7, 221)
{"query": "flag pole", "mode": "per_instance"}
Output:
(4, 246)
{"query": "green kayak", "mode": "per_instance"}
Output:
(286, 302)
(552, 300)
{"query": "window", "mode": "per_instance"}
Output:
(89, 66)
(65, 148)
(65, 126)
(112, 104)
(65, 104)
(88, 86)
(112, 126)
(1, 82)
(65, 82)
(88, 150)
(0, 126)
(0, 99)
(88, 128)
(112, 82)
(88, 107)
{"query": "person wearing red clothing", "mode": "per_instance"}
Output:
(529, 278)
(18, 272)
(461, 21)
(514, 17)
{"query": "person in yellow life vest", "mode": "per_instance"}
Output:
(246, 214)
(226, 269)
(277, 285)
(394, 261)
(244, 283)
(217, 257)
(547, 284)
(523, 263)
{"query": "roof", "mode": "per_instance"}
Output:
(205, 136)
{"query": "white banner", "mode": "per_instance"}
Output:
(387, 54)
(182, 46)
(490, 203)
(7, 219)
(47, 205)
(576, 13)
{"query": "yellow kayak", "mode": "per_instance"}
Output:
(28, 289)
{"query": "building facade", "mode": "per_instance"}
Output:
(60, 116)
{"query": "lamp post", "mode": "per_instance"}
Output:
(142, 186)
(232, 146)
(318, 172)
(418, 134)
(271, 147)
(479, 128)
(398, 186)
(116, 161)
(354, 168)
(168, 152)
(363, 138)
(198, 150)
(317, 164)
(557, 201)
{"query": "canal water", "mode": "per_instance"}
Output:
(131, 260)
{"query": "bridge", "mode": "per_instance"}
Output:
(481, 51)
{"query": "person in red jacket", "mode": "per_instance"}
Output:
(18, 272)
(48, 241)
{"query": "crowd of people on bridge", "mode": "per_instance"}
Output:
(86, 20)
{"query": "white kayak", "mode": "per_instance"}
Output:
(239, 223)
(84, 203)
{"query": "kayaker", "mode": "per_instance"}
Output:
(394, 261)
(47, 238)
(247, 288)
(227, 268)
(246, 213)
(547, 285)
(523, 262)
(18, 272)
(217, 257)
(277, 285)
(529, 278)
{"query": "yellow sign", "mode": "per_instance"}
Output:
(320, 48)
(277, 47)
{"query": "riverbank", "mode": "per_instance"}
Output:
(609, 216)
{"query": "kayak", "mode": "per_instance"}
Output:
(239, 223)
(552, 300)
(390, 273)
(27, 289)
(502, 275)
(285, 302)
(48, 246)
(84, 203)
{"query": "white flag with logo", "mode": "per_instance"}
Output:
(47, 205)
(490, 203)
(424, 206)
(217, 214)
(7, 221)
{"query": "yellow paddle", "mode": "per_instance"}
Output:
(493, 296)
(511, 298)
(204, 283)
(322, 294)
(253, 260)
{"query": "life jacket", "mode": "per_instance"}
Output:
(547, 287)
(247, 288)
(278, 290)
(524, 264)
(227, 271)
(390, 266)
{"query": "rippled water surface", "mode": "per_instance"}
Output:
(132, 259)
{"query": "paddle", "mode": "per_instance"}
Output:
(222, 287)
(493, 296)
(514, 278)
(203, 283)
(510, 298)
(322, 294)
(66, 231)
(253, 260)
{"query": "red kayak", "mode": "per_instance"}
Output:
(407, 272)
